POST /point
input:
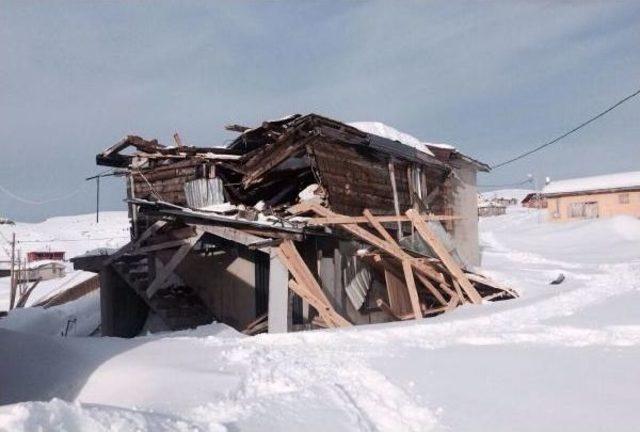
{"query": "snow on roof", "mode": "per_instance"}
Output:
(601, 182)
(386, 131)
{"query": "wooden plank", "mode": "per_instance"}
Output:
(382, 244)
(387, 309)
(456, 286)
(317, 304)
(381, 230)
(448, 261)
(164, 245)
(411, 288)
(432, 289)
(399, 300)
(171, 265)
(135, 244)
(296, 265)
(453, 303)
(394, 188)
(232, 234)
(338, 220)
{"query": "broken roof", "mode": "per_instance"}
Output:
(625, 180)
(439, 150)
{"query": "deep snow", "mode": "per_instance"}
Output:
(562, 357)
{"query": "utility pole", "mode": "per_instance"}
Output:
(97, 179)
(12, 298)
(98, 199)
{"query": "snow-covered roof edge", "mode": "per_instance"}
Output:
(389, 132)
(624, 180)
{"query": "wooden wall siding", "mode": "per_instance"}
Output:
(355, 180)
(168, 180)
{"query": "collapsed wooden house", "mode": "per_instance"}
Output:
(303, 222)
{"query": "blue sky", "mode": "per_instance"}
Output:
(494, 79)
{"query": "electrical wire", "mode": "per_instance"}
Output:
(40, 202)
(566, 134)
(529, 180)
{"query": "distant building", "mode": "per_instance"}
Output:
(5, 221)
(45, 255)
(506, 201)
(594, 197)
(42, 270)
(491, 209)
(535, 200)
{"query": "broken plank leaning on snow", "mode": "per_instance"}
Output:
(290, 257)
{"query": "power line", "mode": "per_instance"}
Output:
(46, 201)
(566, 134)
(529, 180)
(70, 240)
(60, 198)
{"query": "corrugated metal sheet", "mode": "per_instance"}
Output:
(204, 192)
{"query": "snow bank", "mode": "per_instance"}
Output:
(609, 181)
(77, 318)
(62, 416)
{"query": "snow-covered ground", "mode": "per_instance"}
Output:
(561, 357)
(74, 235)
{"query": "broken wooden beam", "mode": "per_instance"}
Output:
(341, 219)
(170, 266)
(305, 280)
(447, 260)
(411, 288)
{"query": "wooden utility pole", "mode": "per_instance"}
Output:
(12, 298)
(97, 199)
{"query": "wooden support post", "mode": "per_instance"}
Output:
(448, 261)
(175, 260)
(396, 203)
(411, 287)
(278, 319)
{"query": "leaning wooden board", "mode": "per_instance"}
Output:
(448, 261)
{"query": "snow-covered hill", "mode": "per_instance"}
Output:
(561, 357)
(73, 235)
